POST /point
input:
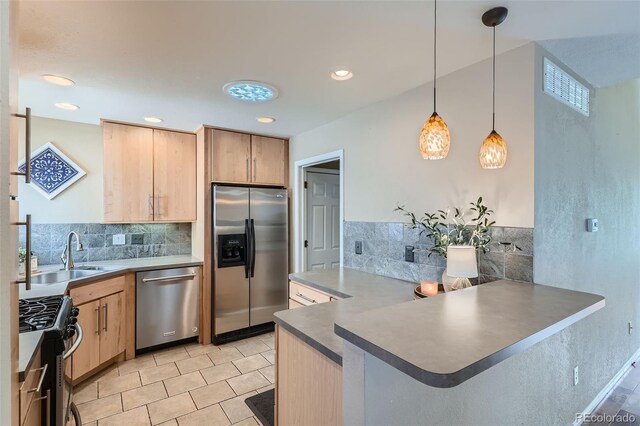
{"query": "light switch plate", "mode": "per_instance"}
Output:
(408, 254)
(592, 225)
(118, 240)
(358, 247)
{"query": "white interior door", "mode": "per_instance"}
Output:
(323, 220)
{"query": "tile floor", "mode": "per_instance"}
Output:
(185, 385)
(622, 407)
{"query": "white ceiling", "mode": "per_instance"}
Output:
(171, 58)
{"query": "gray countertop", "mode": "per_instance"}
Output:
(28, 346)
(30, 342)
(441, 341)
(361, 292)
(115, 267)
(445, 340)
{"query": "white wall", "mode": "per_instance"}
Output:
(383, 166)
(81, 202)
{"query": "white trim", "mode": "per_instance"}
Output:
(299, 198)
(606, 391)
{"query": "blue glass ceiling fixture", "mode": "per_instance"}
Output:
(250, 91)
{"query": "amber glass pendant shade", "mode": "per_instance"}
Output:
(434, 138)
(493, 152)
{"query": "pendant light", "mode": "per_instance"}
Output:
(493, 152)
(434, 137)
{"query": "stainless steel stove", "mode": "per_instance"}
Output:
(38, 313)
(56, 317)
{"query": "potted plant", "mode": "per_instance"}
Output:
(22, 258)
(455, 227)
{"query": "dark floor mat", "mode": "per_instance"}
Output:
(263, 406)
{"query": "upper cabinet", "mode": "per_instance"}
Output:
(269, 161)
(231, 156)
(248, 159)
(174, 176)
(149, 174)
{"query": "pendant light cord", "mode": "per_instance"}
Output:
(435, 46)
(493, 125)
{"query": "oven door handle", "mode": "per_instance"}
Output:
(77, 342)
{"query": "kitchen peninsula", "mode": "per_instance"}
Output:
(378, 333)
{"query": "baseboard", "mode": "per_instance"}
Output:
(604, 393)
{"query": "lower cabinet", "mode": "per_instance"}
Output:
(301, 295)
(102, 310)
(31, 395)
(308, 384)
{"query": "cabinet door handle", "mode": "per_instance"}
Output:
(27, 146)
(98, 320)
(308, 299)
(106, 313)
(255, 168)
(247, 169)
(27, 260)
(43, 371)
(151, 205)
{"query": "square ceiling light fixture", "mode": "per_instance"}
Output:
(250, 91)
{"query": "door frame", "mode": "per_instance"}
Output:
(299, 203)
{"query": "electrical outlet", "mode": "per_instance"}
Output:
(630, 327)
(358, 247)
(408, 254)
(118, 240)
(592, 225)
(576, 376)
(137, 239)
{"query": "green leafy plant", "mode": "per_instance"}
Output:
(22, 254)
(455, 227)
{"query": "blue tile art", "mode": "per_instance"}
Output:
(51, 171)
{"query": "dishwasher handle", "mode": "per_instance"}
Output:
(171, 278)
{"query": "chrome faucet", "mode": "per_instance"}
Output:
(66, 256)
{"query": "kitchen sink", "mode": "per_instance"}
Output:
(94, 268)
(61, 276)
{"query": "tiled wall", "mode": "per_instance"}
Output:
(159, 239)
(383, 253)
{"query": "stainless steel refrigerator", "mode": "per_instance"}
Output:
(250, 246)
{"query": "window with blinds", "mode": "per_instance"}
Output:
(559, 84)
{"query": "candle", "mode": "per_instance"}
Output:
(429, 288)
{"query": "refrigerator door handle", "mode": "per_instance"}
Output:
(253, 248)
(247, 244)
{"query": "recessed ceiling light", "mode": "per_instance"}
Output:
(56, 79)
(265, 120)
(250, 91)
(341, 74)
(153, 120)
(66, 105)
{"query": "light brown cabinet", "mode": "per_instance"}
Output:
(231, 157)
(248, 159)
(87, 356)
(301, 295)
(128, 173)
(269, 161)
(32, 395)
(102, 309)
(149, 174)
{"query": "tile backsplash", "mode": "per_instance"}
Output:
(158, 239)
(383, 246)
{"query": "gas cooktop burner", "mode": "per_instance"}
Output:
(38, 313)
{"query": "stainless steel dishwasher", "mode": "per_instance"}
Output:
(167, 306)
